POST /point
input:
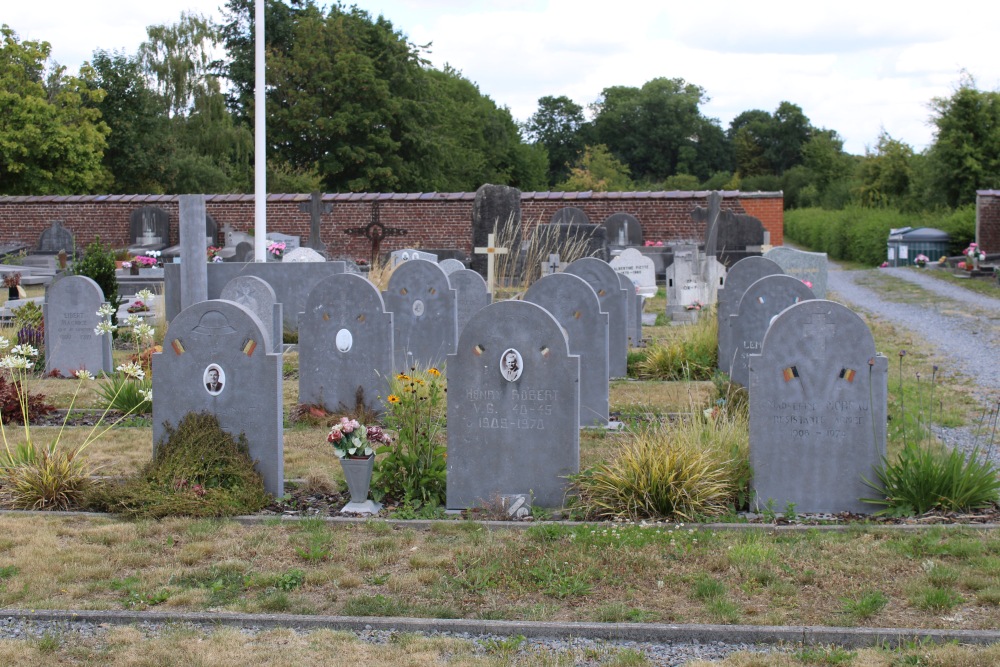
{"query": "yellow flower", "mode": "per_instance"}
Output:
(433, 372)
(403, 377)
(419, 381)
(393, 398)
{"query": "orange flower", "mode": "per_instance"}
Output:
(433, 372)
(393, 398)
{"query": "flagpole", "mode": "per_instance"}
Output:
(259, 134)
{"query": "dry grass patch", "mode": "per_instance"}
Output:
(651, 397)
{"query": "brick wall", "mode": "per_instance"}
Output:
(433, 220)
(988, 220)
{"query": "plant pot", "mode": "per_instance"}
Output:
(134, 269)
(358, 473)
(12, 292)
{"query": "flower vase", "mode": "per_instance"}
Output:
(134, 269)
(358, 473)
(12, 292)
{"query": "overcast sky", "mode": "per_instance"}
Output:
(851, 66)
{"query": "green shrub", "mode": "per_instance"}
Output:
(691, 354)
(198, 469)
(47, 477)
(98, 264)
(126, 394)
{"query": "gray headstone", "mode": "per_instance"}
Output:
(194, 271)
(424, 314)
(638, 268)
(225, 338)
(817, 410)
(149, 229)
(451, 265)
(55, 239)
(512, 428)
(806, 266)
(614, 301)
(315, 208)
(470, 293)
(258, 297)
(576, 307)
(710, 217)
(739, 236)
(685, 285)
(70, 312)
(570, 215)
(624, 229)
(302, 254)
(633, 313)
(496, 210)
(397, 257)
(345, 345)
(570, 240)
(291, 242)
(763, 300)
(744, 273)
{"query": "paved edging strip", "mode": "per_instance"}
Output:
(637, 632)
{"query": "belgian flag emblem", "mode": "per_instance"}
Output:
(249, 345)
(790, 373)
(847, 374)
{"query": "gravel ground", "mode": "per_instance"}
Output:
(965, 330)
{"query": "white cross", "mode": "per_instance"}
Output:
(490, 251)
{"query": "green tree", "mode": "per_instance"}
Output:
(886, 173)
(179, 57)
(51, 135)
(965, 154)
(560, 126)
(597, 170)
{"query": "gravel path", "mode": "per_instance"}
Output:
(962, 325)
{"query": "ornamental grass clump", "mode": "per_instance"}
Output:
(682, 471)
(690, 354)
(198, 469)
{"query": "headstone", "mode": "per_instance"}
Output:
(818, 392)
(740, 236)
(315, 208)
(570, 215)
(397, 257)
(291, 243)
(55, 239)
(638, 268)
(710, 217)
(450, 266)
(302, 254)
(149, 229)
(258, 297)
(553, 265)
(570, 240)
(496, 210)
(614, 301)
(763, 300)
(576, 307)
(70, 312)
(743, 274)
(624, 230)
(513, 408)
(216, 358)
(687, 290)
(424, 314)
(194, 271)
(806, 266)
(345, 345)
(633, 312)
(237, 246)
(471, 295)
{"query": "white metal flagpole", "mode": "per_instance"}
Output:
(260, 143)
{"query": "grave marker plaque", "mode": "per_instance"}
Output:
(70, 312)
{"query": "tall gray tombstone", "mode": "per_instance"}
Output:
(513, 408)
(763, 300)
(70, 312)
(424, 314)
(818, 392)
(315, 208)
(710, 216)
(149, 229)
(55, 239)
(216, 358)
(496, 209)
(633, 312)
(685, 285)
(194, 267)
(744, 273)
(806, 266)
(576, 307)
(614, 301)
(258, 297)
(345, 345)
(624, 230)
(470, 293)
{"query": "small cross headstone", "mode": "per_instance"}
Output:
(315, 208)
(552, 265)
(375, 232)
(490, 251)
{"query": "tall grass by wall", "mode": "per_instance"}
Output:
(861, 234)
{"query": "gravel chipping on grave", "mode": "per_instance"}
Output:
(965, 333)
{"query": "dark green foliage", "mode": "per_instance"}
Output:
(197, 470)
(10, 403)
(121, 392)
(98, 264)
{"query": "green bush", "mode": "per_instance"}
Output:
(98, 264)
(125, 394)
(198, 469)
(692, 354)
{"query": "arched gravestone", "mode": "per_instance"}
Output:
(624, 229)
(450, 265)
(216, 358)
(471, 294)
(258, 297)
(56, 239)
(633, 314)
(149, 229)
(576, 307)
(806, 266)
(345, 344)
(70, 312)
(764, 299)
(818, 392)
(513, 408)
(743, 274)
(570, 215)
(424, 314)
(603, 279)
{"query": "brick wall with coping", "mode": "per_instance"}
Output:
(432, 220)
(988, 220)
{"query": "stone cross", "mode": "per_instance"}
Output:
(375, 231)
(554, 263)
(315, 208)
(490, 251)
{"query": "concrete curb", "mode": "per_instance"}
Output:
(638, 632)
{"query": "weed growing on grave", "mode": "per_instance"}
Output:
(411, 469)
(130, 389)
(690, 353)
(198, 469)
(864, 606)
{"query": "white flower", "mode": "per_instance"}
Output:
(142, 330)
(105, 310)
(104, 328)
(144, 295)
(147, 394)
(84, 374)
(132, 320)
(132, 369)
(4, 343)
(24, 350)
(13, 361)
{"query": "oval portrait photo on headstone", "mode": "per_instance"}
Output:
(511, 364)
(215, 379)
